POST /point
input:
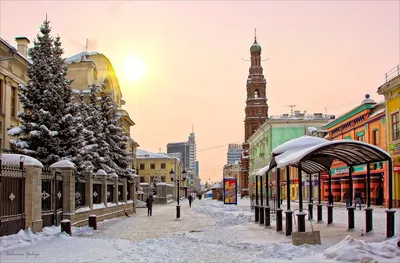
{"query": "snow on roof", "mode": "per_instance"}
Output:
(263, 170)
(216, 186)
(81, 57)
(298, 143)
(63, 164)
(101, 172)
(16, 158)
(142, 154)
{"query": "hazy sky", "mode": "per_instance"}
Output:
(322, 54)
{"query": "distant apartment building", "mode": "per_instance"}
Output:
(192, 152)
(183, 149)
(234, 153)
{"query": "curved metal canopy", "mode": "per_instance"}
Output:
(319, 158)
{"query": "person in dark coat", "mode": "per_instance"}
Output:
(190, 198)
(149, 205)
(357, 198)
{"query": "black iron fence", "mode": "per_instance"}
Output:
(80, 194)
(110, 193)
(96, 193)
(52, 195)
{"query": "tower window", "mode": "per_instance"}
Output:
(256, 93)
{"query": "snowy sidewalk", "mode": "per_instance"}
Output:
(208, 232)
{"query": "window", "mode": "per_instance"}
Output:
(162, 178)
(152, 166)
(375, 137)
(256, 93)
(395, 126)
(360, 138)
(142, 179)
(163, 166)
(142, 166)
(14, 102)
(1, 96)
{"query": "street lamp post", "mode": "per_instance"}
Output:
(177, 181)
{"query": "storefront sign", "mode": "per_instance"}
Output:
(230, 191)
(341, 171)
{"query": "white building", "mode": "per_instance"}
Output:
(234, 153)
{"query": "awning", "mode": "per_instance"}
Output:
(319, 158)
(263, 170)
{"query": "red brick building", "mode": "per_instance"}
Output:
(256, 111)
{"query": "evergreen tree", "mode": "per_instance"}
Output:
(40, 126)
(50, 128)
(114, 136)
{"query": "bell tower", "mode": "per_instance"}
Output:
(256, 111)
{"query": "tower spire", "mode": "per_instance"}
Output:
(255, 35)
(192, 128)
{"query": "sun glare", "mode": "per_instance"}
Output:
(134, 68)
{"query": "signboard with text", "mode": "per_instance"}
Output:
(230, 191)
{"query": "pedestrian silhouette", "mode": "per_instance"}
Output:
(190, 198)
(149, 205)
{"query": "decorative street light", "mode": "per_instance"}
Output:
(177, 181)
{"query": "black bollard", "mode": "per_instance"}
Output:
(256, 214)
(350, 215)
(368, 219)
(390, 222)
(178, 211)
(330, 214)
(278, 219)
(261, 210)
(319, 212)
(289, 222)
(310, 211)
(267, 216)
(93, 221)
(301, 221)
(66, 226)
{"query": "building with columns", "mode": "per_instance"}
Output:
(13, 72)
(256, 111)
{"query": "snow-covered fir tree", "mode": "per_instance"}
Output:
(47, 101)
(114, 136)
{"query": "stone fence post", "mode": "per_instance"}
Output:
(89, 190)
(103, 175)
(114, 176)
(124, 190)
(33, 190)
(68, 171)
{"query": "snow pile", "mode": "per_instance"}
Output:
(226, 215)
(287, 251)
(354, 250)
(140, 204)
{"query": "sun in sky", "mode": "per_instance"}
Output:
(134, 68)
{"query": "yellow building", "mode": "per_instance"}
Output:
(391, 90)
(88, 68)
(13, 72)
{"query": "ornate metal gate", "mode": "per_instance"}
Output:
(12, 196)
(51, 197)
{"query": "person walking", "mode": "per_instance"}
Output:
(149, 205)
(190, 198)
(357, 197)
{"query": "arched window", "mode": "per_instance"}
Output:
(256, 93)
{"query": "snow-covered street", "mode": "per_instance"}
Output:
(208, 232)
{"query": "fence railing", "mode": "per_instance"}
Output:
(393, 73)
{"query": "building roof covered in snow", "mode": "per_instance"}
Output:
(142, 154)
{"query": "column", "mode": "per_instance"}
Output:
(124, 190)
(319, 206)
(301, 227)
(114, 176)
(350, 209)
(330, 199)
(68, 171)
(261, 209)
(288, 212)
(33, 197)
(267, 211)
(278, 210)
(368, 210)
(89, 190)
(390, 219)
(256, 214)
